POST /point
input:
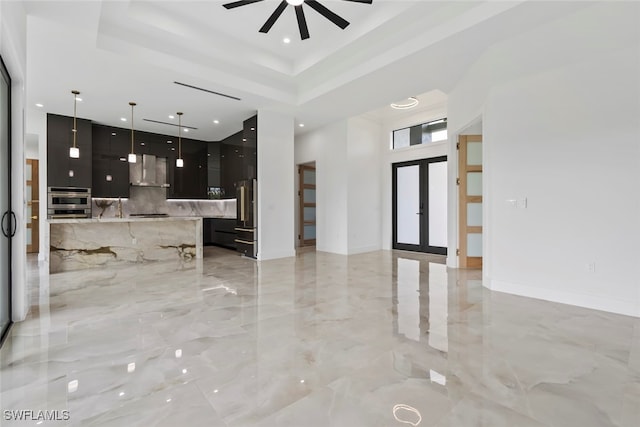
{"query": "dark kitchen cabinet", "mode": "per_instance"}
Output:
(250, 148)
(219, 231)
(63, 171)
(189, 181)
(231, 163)
(110, 149)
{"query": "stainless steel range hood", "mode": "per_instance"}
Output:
(148, 171)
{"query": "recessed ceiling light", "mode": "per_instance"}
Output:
(286, 40)
(186, 130)
(78, 99)
(171, 117)
(122, 119)
(39, 105)
(169, 142)
(301, 125)
(216, 121)
(410, 103)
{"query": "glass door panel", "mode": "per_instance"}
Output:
(438, 204)
(420, 205)
(307, 218)
(408, 205)
(7, 222)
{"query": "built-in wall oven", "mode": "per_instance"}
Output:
(68, 202)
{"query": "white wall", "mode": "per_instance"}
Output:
(13, 51)
(327, 146)
(561, 128)
(276, 186)
(364, 200)
(37, 126)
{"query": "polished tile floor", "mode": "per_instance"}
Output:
(378, 339)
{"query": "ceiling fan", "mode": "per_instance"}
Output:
(302, 21)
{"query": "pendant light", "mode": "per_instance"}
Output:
(132, 156)
(74, 152)
(109, 177)
(179, 161)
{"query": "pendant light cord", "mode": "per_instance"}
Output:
(133, 104)
(75, 109)
(179, 135)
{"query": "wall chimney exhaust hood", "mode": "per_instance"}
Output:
(148, 171)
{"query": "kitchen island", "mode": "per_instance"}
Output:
(77, 244)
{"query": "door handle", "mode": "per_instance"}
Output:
(14, 220)
(5, 234)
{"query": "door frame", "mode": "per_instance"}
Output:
(34, 223)
(424, 203)
(302, 204)
(9, 272)
(465, 261)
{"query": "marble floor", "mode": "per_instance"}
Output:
(378, 339)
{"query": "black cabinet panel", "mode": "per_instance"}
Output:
(110, 149)
(63, 171)
(219, 231)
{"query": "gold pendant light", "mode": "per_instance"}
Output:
(179, 161)
(132, 156)
(74, 152)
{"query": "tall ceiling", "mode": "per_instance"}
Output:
(114, 52)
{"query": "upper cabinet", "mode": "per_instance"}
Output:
(103, 164)
(110, 166)
(189, 181)
(63, 171)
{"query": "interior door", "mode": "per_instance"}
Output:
(8, 218)
(470, 196)
(307, 193)
(33, 206)
(420, 205)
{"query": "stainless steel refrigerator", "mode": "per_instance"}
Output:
(247, 215)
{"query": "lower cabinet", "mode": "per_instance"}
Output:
(219, 231)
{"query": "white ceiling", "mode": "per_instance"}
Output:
(132, 50)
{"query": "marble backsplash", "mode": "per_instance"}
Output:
(152, 200)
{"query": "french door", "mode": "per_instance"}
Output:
(8, 222)
(420, 205)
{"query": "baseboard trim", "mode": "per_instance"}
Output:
(627, 308)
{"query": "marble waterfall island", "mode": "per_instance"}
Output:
(78, 244)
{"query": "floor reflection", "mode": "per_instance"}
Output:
(376, 339)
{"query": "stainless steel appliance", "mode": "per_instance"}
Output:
(148, 171)
(247, 214)
(68, 202)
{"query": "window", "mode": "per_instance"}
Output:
(424, 133)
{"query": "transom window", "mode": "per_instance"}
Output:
(424, 133)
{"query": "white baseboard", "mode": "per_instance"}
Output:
(364, 249)
(628, 308)
(276, 255)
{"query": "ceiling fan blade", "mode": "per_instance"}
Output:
(240, 3)
(361, 1)
(339, 21)
(274, 17)
(302, 23)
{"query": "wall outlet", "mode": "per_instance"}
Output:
(591, 267)
(522, 203)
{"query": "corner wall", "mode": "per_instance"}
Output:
(13, 41)
(275, 185)
(561, 129)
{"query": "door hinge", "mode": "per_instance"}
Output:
(457, 252)
(457, 145)
(457, 181)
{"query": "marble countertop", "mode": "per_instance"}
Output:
(125, 219)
